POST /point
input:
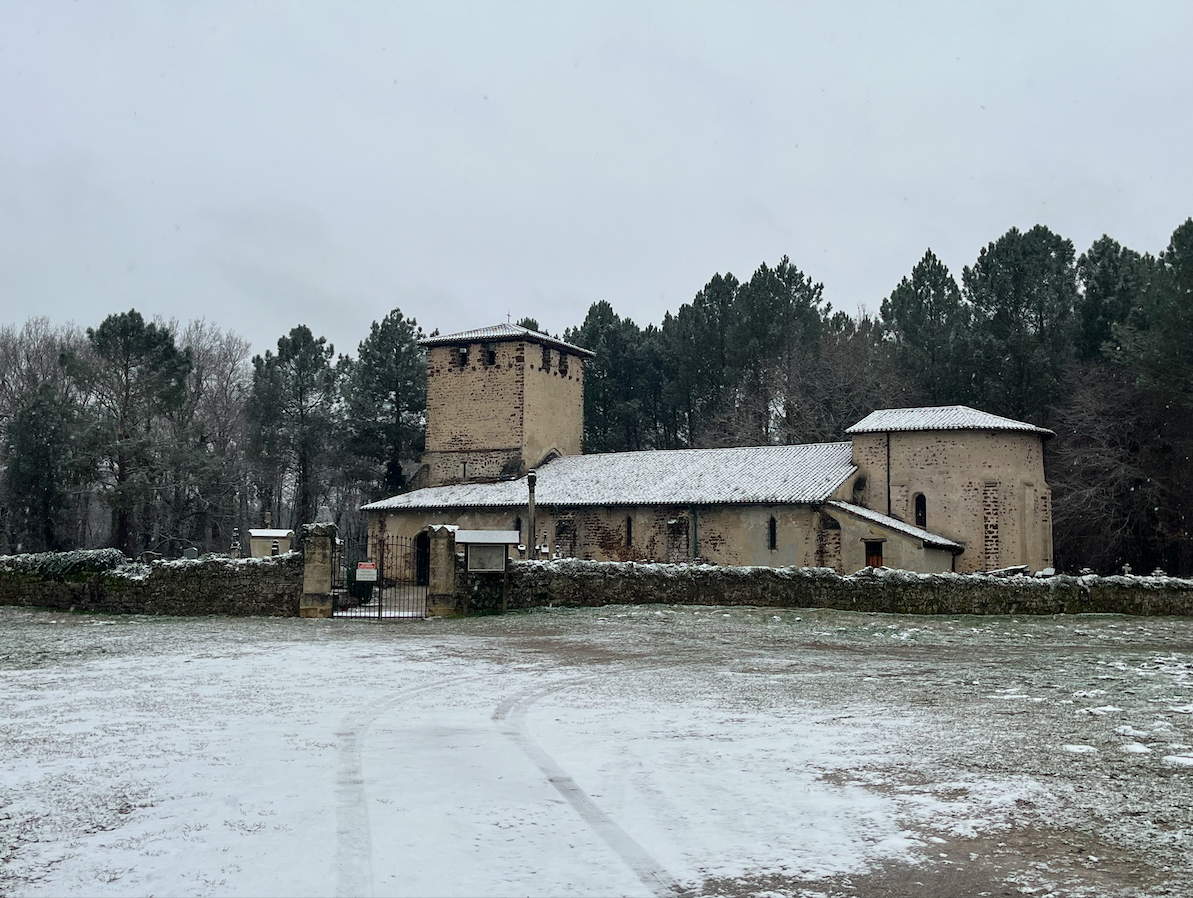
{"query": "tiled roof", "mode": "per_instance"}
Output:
(942, 417)
(743, 476)
(504, 332)
(929, 539)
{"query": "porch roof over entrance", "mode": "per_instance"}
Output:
(489, 537)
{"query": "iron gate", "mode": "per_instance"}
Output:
(400, 590)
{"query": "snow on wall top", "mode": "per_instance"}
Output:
(504, 332)
(934, 540)
(742, 476)
(942, 417)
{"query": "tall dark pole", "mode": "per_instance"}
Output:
(531, 477)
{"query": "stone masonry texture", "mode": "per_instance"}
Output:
(267, 587)
(574, 583)
(492, 421)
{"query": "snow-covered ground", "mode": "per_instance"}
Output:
(614, 751)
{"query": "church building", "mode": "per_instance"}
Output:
(922, 489)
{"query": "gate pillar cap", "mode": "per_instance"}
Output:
(308, 530)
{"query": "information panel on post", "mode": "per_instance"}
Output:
(487, 551)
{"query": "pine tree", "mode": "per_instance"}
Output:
(1022, 290)
(292, 411)
(38, 453)
(385, 400)
(931, 326)
(135, 375)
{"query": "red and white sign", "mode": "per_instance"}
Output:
(366, 571)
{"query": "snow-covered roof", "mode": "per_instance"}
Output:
(940, 417)
(504, 332)
(489, 537)
(271, 534)
(929, 538)
(752, 475)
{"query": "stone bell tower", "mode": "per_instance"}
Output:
(500, 400)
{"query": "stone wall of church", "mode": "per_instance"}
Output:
(727, 535)
(898, 551)
(475, 464)
(474, 406)
(554, 403)
(486, 422)
(409, 524)
(474, 413)
(984, 489)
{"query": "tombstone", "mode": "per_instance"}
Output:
(191, 553)
(324, 516)
(234, 551)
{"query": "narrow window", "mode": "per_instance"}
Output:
(546, 358)
(563, 364)
(921, 510)
(518, 525)
(490, 353)
(874, 553)
(629, 530)
(772, 534)
(462, 356)
(565, 539)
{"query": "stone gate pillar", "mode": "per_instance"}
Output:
(318, 550)
(441, 579)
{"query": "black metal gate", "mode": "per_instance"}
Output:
(398, 591)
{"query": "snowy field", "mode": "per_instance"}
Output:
(615, 751)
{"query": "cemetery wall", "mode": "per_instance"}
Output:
(591, 583)
(103, 581)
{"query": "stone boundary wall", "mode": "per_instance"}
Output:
(102, 580)
(593, 583)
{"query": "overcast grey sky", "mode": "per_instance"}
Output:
(271, 164)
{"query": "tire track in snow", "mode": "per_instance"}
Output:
(510, 717)
(354, 844)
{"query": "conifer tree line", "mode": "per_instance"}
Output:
(156, 436)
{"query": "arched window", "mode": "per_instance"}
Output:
(518, 524)
(772, 533)
(921, 510)
(859, 490)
